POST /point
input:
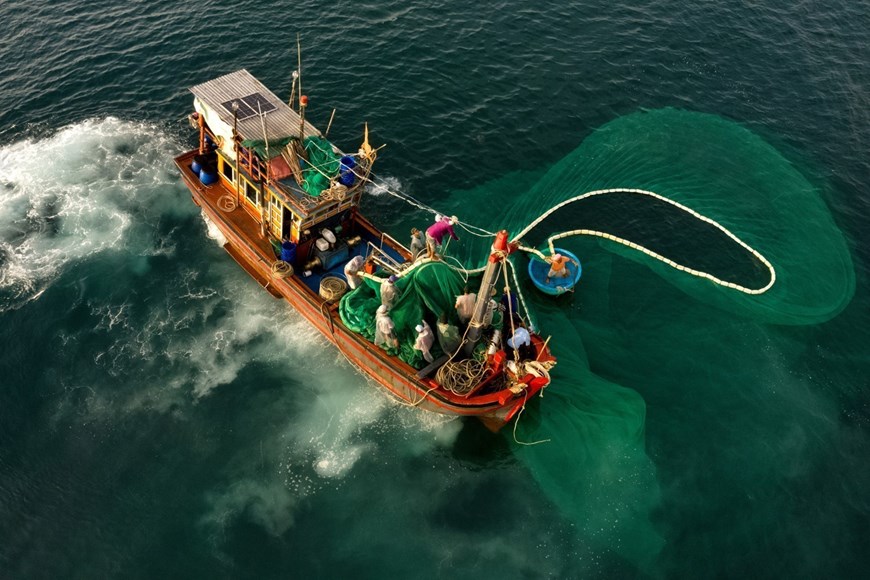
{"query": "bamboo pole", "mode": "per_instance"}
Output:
(236, 149)
(328, 125)
(264, 182)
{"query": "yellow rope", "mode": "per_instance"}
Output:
(517, 420)
(460, 377)
(281, 269)
(226, 203)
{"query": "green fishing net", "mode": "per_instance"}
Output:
(637, 330)
(322, 165)
(424, 294)
(717, 168)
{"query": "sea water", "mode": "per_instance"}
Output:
(162, 416)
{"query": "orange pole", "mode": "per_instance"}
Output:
(201, 122)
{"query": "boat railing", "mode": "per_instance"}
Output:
(380, 257)
(393, 241)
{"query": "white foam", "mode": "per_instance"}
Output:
(377, 188)
(213, 232)
(74, 194)
(269, 504)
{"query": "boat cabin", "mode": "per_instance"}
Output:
(284, 172)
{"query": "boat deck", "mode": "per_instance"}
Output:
(242, 218)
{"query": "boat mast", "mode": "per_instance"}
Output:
(236, 140)
(500, 251)
(303, 100)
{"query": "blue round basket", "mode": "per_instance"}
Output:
(538, 273)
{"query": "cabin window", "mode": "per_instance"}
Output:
(250, 191)
(227, 169)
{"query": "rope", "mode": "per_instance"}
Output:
(281, 269)
(226, 203)
(469, 228)
(510, 308)
(418, 401)
(332, 288)
(461, 377)
(647, 251)
(525, 308)
(517, 420)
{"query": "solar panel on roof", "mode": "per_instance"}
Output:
(244, 111)
(259, 103)
(249, 106)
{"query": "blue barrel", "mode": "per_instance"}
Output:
(198, 161)
(208, 175)
(347, 178)
(288, 252)
(347, 162)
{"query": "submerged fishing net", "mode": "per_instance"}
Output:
(647, 327)
(724, 172)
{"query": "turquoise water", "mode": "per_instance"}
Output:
(161, 416)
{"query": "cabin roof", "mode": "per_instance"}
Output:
(253, 97)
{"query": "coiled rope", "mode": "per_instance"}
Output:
(460, 377)
(281, 269)
(332, 288)
(226, 203)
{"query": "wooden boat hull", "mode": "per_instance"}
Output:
(255, 255)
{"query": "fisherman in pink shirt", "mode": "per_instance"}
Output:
(435, 233)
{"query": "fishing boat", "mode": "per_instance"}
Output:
(288, 203)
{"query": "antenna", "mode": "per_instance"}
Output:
(299, 65)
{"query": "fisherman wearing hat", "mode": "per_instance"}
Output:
(417, 244)
(557, 267)
(465, 305)
(424, 340)
(436, 232)
(389, 292)
(448, 335)
(521, 341)
(384, 327)
(351, 271)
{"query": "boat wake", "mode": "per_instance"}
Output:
(88, 188)
(95, 216)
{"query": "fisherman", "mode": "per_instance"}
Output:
(448, 335)
(521, 341)
(424, 340)
(436, 232)
(520, 338)
(417, 243)
(384, 327)
(465, 305)
(351, 271)
(558, 268)
(389, 292)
